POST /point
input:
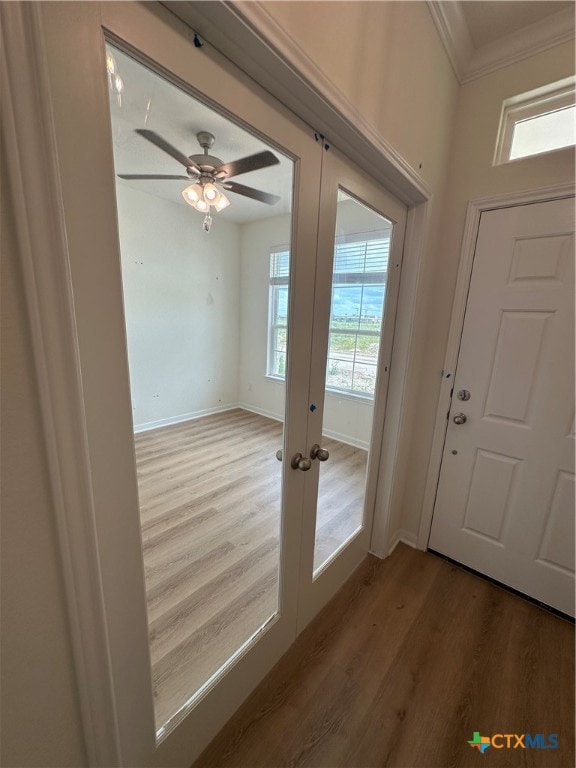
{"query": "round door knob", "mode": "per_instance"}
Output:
(319, 453)
(460, 418)
(279, 454)
(299, 462)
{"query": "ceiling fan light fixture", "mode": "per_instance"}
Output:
(221, 203)
(192, 194)
(211, 193)
(202, 206)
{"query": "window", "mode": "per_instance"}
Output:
(358, 291)
(278, 311)
(536, 122)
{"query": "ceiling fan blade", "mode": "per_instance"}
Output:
(156, 176)
(167, 147)
(255, 194)
(246, 164)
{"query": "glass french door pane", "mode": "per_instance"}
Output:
(360, 270)
(199, 254)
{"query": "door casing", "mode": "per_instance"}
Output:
(472, 224)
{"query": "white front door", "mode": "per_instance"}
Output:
(505, 501)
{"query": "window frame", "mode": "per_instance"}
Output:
(350, 278)
(527, 106)
(274, 282)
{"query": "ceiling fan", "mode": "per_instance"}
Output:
(209, 175)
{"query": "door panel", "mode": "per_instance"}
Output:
(505, 503)
(361, 225)
(360, 269)
(210, 523)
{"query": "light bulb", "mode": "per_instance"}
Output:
(221, 203)
(192, 194)
(211, 193)
(202, 206)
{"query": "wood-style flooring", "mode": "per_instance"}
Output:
(411, 658)
(210, 494)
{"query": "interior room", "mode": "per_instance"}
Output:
(288, 383)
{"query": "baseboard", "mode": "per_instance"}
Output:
(260, 411)
(148, 425)
(326, 432)
(345, 439)
(402, 537)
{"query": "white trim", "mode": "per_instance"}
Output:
(326, 432)
(475, 210)
(149, 425)
(454, 33)
(470, 63)
(261, 412)
(341, 438)
(536, 38)
(248, 35)
(526, 106)
(401, 537)
(42, 249)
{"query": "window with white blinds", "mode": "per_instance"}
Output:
(358, 292)
(278, 311)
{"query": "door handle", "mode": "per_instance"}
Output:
(300, 462)
(459, 418)
(316, 452)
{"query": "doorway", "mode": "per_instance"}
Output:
(505, 497)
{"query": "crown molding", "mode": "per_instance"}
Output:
(454, 33)
(470, 63)
(535, 38)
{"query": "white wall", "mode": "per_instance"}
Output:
(181, 298)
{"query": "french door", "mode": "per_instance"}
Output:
(218, 323)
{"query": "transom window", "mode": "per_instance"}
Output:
(358, 291)
(539, 121)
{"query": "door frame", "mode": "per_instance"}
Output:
(42, 245)
(474, 211)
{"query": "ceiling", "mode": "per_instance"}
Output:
(489, 20)
(150, 101)
(482, 37)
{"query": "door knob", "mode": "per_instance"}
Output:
(279, 454)
(459, 418)
(319, 453)
(299, 462)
